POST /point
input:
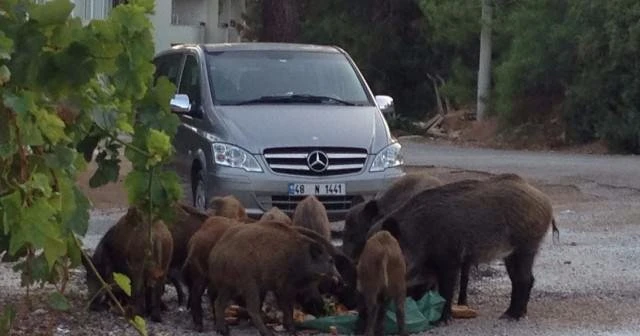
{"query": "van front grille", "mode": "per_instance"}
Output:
(316, 161)
(331, 203)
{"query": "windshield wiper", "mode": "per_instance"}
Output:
(295, 98)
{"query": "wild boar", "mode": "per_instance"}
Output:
(445, 230)
(276, 214)
(312, 214)
(195, 268)
(122, 249)
(251, 260)
(360, 217)
(188, 221)
(381, 277)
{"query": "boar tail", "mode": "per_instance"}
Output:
(556, 232)
(383, 269)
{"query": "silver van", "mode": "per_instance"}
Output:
(272, 122)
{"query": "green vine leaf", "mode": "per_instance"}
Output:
(51, 12)
(140, 325)
(58, 302)
(123, 282)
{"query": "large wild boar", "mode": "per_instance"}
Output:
(360, 218)
(311, 213)
(188, 221)
(195, 268)
(122, 249)
(251, 260)
(445, 230)
(381, 277)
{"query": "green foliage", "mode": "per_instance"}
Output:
(65, 90)
(534, 72)
(6, 319)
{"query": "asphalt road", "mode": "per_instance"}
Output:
(611, 170)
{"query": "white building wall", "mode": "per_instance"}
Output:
(178, 21)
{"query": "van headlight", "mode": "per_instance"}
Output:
(235, 157)
(387, 158)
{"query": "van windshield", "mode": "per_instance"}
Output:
(258, 77)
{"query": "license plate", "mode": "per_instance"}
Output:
(318, 189)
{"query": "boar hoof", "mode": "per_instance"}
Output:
(511, 316)
(443, 321)
(223, 330)
(156, 318)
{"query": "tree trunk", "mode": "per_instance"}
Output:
(484, 67)
(280, 20)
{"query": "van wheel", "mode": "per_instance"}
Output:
(199, 191)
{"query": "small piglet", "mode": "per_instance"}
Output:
(381, 277)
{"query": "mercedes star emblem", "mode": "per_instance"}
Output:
(317, 161)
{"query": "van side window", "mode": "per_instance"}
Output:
(190, 82)
(168, 66)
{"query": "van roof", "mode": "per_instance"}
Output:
(260, 46)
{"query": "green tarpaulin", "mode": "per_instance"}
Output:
(419, 316)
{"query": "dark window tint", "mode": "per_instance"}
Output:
(190, 81)
(168, 66)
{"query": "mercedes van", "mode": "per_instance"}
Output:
(271, 123)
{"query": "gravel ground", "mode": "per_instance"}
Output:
(588, 284)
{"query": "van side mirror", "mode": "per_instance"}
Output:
(180, 103)
(385, 103)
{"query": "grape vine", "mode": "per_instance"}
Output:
(69, 94)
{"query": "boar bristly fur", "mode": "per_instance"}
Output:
(228, 206)
(195, 268)
(275, 214)
(381, 278)
(443, 231)
(251, 260)
(122, 249)
(312, 214)
(362, 216)
(188, 221)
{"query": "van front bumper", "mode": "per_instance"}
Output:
(260, 191)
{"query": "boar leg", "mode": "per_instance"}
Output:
(362, 314)
(446, 275)
(464, 282)
(372, 316)
(156, 301)
(400, 314)
(252, 299)
(220, 305)
(174, 277)
(379, 319)
(285, 302)
(519, 267)
(195, 299)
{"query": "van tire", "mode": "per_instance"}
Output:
(199, 188)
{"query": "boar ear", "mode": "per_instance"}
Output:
(371, 209)
(392, 226)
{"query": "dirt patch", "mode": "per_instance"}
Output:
(461, 129)
(111, 195)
